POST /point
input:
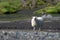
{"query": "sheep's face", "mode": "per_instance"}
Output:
(33, 22)
(34, 17)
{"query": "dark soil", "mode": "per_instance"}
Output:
(26, 25)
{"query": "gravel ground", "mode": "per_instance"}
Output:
(28, 35)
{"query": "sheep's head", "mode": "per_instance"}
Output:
(34, 17)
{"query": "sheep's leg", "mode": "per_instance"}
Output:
(33, 28)
(39, 29)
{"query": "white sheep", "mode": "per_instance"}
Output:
(37, 22)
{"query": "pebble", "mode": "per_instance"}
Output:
(23, 35)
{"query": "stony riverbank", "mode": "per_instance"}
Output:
(29, 35)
